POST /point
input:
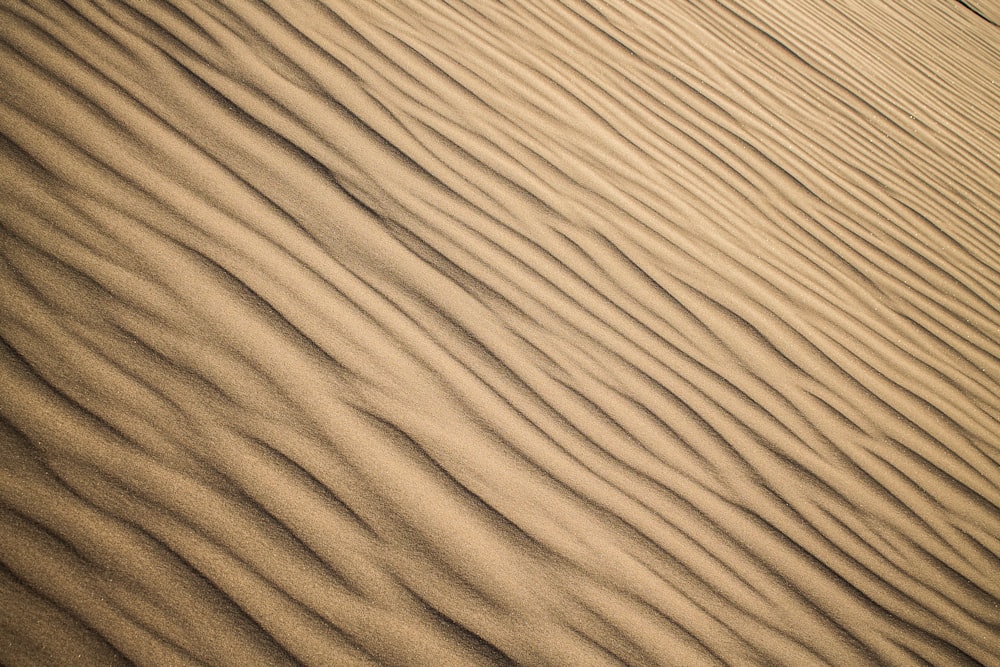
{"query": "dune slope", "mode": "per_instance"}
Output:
(444, 332)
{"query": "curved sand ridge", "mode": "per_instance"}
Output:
(555, 333)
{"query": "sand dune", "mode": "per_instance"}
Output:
(422, 332)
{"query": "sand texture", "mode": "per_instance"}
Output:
(484, 332)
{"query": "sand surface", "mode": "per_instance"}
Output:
(479, 332)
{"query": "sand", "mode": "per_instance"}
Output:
(444, 332)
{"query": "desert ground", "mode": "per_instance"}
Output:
(487, 332)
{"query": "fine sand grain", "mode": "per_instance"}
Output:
(468, 332)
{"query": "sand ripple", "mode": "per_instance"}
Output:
(430, 332)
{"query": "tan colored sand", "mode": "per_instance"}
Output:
(422, 332)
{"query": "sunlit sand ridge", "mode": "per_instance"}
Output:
(463, 333)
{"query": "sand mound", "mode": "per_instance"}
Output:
(423, 332)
